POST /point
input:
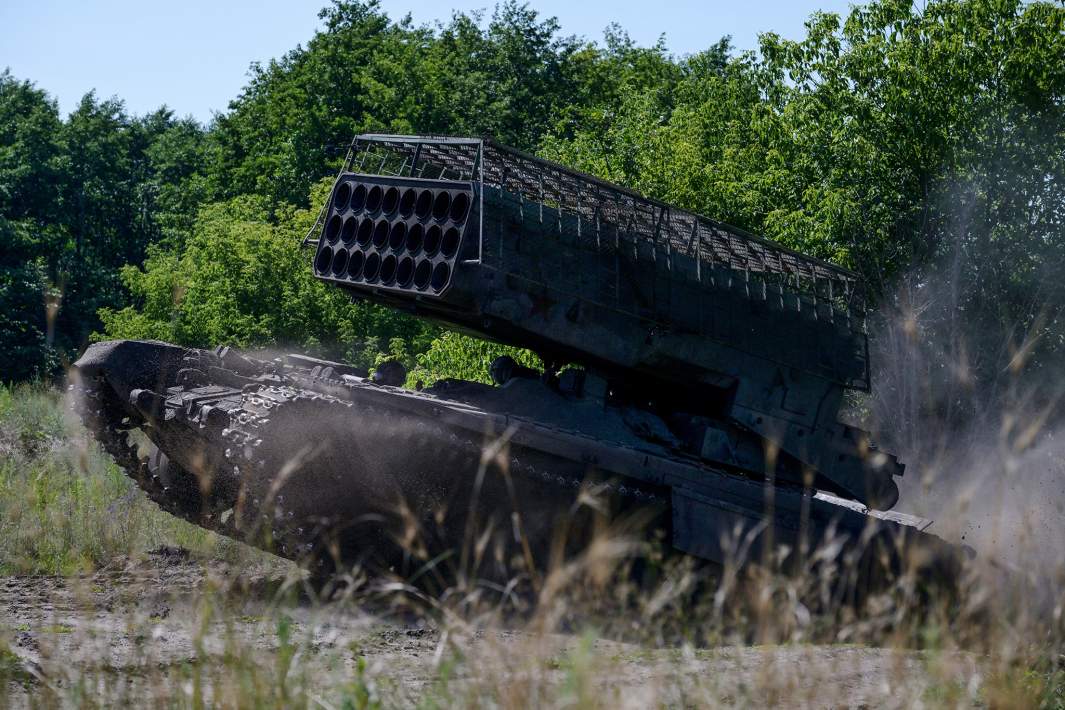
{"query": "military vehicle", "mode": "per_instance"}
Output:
(692, 374)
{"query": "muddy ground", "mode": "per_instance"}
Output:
(153, 629)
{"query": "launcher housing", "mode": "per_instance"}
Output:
(742, 346)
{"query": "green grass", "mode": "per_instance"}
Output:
(65, 507)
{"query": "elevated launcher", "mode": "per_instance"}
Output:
(752, 343)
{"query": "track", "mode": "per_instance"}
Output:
(306, 473)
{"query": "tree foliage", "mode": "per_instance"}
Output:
(463, 357)
(918, 144)
(363, 72)
(890, 140)
(242, 280)
(79, 199)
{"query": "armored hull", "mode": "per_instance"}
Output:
(317, 462)
(691, 384)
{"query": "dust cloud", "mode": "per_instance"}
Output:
(968, 391)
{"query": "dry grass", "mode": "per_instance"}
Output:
(64, 505)
(227, 627)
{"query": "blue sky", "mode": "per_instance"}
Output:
(193, 55)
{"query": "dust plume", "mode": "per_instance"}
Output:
(968, 359)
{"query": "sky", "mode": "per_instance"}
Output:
(193, 55)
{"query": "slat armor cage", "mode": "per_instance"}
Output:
(546, 229)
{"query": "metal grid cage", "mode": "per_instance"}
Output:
(607, 215)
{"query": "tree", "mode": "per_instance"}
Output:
(893, 140)
(897, 141)
(26, 327)
(290, 126)
(30, 190)
(242, 280)
(78, 200)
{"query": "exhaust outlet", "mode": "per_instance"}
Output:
(373, 199)
(380, 233)
(365, 232)
(415, 236)
(441, 273)
(355, 263)
(322, 261)
(405, 272)
(372, 268)
(459, 207)
(342, 197)
(441, 205)
(340, 262)
(398, 236)
(424, 205)
(422, 274)
(347, 234)
(406, 202)
(449, 245)
(432, 240)
(358, 198)
(391, 200)
(388, 269)
(332, 228)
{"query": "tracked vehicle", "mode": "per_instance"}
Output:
(692, 378)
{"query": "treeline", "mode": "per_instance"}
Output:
(79, 199)
(887, 140)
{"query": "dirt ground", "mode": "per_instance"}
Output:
(138, 630)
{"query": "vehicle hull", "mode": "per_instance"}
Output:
(317, 462)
